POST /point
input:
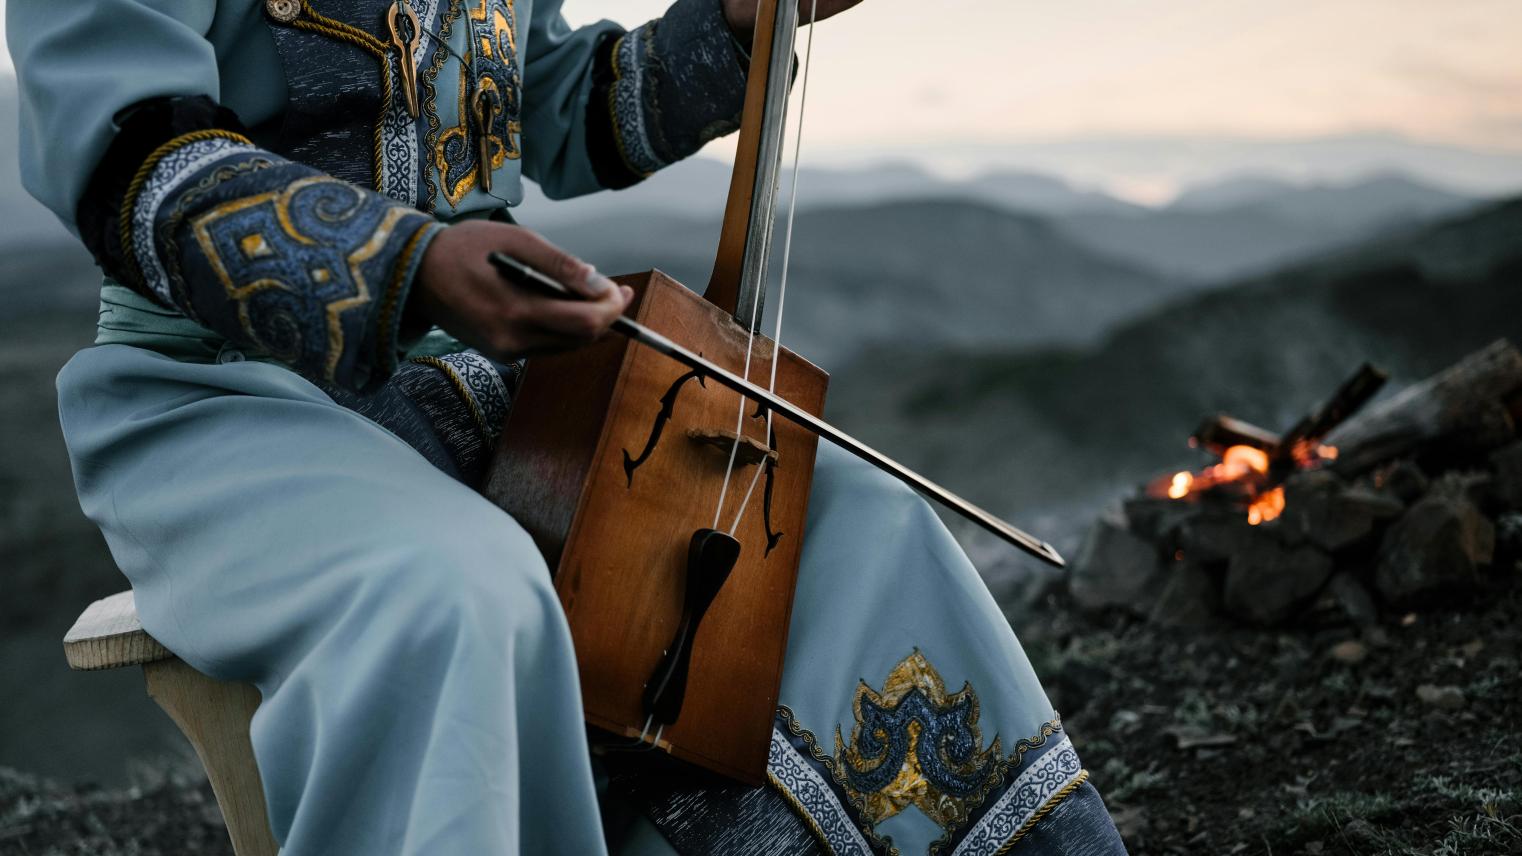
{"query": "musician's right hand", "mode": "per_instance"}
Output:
(457, 289)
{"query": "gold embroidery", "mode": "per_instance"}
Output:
(916, 745)
(254, 246)
(281, 201)
(490, 42)
(430, 108)
(484, 99)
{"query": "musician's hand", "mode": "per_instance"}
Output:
(457, 289)
(741, 14)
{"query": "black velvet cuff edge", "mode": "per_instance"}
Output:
(608, 165)
(142, 129)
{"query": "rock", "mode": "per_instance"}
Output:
(1115, 567)
(1404, 480)
(1350, 652)
(1215, 535)
(1191, 597)
(1268, 582)
(1473, 485)
(1506, 463)
(1153, 517)
(1509, 536)
(1377, 504)
(1354, 598)
(1442, 698)
(1320, 508)
(1436, 547)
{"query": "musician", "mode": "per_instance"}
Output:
(301, 364)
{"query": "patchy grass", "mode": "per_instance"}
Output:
(1230, 740)
(171, 811)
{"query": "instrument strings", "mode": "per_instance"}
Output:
(787, 252)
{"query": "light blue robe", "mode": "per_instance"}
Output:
(419, 685)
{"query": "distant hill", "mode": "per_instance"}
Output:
(697, 187)
(1050, 436)
(1253, 224)
(935, 273)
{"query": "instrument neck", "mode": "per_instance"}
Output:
(738, 284)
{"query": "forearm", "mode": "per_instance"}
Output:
(664, 90)
(272, 254)
(606, 108)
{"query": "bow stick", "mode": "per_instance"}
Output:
(521, 274)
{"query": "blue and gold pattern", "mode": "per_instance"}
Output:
(280, 258)
(915, 745)
(662, 90)
(489, 103)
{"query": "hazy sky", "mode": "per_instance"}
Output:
(918, 79)
(991, 70)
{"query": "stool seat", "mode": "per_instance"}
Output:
(213, 715)
(108, 635)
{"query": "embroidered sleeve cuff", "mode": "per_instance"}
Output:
(663, 90)
(277, 256)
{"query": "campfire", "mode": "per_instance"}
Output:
(1353, 510)
(1255, 462)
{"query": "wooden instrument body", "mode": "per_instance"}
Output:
(617, 545)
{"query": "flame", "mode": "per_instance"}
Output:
(1245, 469)
(1238, 461)
(1266, 507)
(1180, 486)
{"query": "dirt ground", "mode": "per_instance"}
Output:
(1402, 738)
(1398, 739)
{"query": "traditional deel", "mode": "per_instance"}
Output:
(914, 746)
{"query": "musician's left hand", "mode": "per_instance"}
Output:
(741, 14)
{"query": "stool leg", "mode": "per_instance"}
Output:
(214, 716)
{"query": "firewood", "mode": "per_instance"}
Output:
(1353, 394)
(1220, 432)
(1433, 410)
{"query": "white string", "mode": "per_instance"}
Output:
(750, 344)
(787, 255)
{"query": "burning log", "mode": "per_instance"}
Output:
(1480, 397)
(1300, 444)
(1220, 432)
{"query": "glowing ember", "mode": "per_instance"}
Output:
(1244, 473)
(1238, 461)
(1266, 507)
(1180, 487)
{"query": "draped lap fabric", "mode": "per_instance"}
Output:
(282, 460)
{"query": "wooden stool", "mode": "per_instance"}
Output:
(213, 715)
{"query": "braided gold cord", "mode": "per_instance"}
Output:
(129, 201)
(1067, 790)
(464, 391)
